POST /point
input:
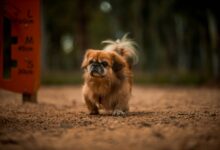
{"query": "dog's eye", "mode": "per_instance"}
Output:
(91, 61)
(104, 63)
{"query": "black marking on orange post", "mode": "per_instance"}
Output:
(8, 40)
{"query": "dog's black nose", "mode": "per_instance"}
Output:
(95, 65)
(96, 68)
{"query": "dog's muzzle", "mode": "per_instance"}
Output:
(96, 69)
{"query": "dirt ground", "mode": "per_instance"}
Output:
(160, 118)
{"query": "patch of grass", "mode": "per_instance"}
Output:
(169, 78)
(75, 78)
(62, 78)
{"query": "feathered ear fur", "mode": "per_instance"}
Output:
(85, 60)
(118, 62)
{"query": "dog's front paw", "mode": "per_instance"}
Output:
(118, 113)
(94, 112)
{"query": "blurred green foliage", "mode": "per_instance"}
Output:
(142, 78)
(178, 39)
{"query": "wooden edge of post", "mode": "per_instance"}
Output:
(29, 97)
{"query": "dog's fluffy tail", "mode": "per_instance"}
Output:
(125, 47)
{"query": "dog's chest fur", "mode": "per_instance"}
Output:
(102, 92)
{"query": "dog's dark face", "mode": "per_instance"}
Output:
(100, 64)
(98, 68)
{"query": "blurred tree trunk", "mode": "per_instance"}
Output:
(181, 45)
(138, 29)
(80, 28)
(218, 52)
(213, 49)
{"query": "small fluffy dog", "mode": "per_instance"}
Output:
(108, 76)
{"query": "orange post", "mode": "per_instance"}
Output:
(20, 47)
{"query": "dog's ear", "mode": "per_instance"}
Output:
(118, 62)
(85, 59)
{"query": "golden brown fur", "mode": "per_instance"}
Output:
(108, 80)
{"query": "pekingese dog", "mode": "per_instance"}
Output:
(108, 76)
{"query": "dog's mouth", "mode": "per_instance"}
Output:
(96, 75)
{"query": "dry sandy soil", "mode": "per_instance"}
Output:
(166, 118)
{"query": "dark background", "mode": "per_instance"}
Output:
(178, 39)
